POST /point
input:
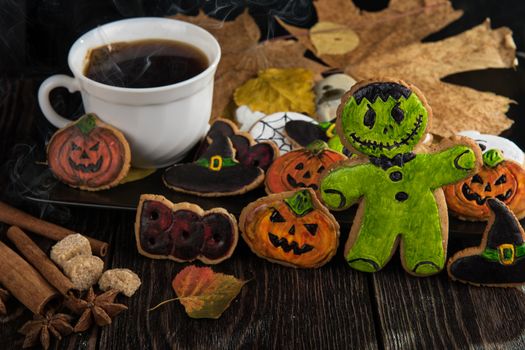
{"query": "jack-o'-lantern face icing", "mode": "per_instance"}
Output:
(383, 119)
(89, 154)
(183, 231)
(301, 168)
(498, 178)
(290, 228)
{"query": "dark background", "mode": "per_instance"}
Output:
(35, 35)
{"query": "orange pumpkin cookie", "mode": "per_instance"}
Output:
(301, 168)
(498, 178)
(89, 154)
(290, 228)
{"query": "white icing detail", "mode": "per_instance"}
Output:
(271, 127)
(246, 117)
(508, 148)
(327, 105)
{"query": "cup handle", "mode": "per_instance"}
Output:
(44, 90)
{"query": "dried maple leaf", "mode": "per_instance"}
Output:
(99, 308)
(204, 293)
(4, 295)
(243, 56)
(455, 108)
(42, 327)
(390, 45)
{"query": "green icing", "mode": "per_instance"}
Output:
(325, 125)
(492, 157)
(415, 220)
(317, 146)
(335, 144)
(493, 254)
(87, 123)
(226, 162)
(300, 203)
(397, 137)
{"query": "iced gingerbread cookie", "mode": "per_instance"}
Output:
(486, 142)
(328, 93)
(398, 191)
(89, 154)
(216, 173)
(271, 128)
(184, 231)
(290, 228)
(498, 178)
(499, 261)
(247, 151)
(301, 168)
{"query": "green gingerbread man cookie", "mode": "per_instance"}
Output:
(399, 191)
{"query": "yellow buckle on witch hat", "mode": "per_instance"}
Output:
(507, 253)
(330, 131)
(215, 163)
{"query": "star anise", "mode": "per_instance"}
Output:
(4, 295)
(42, 327)
(99, 308)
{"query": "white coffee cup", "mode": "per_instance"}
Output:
(161, 123)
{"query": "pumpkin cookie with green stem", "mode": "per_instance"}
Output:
(398, 191)
(89, 154)
(290, 228)
(499, 178)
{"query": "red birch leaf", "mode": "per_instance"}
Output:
(204, 293)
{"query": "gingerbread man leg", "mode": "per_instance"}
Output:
(372, 248)
(422, 250)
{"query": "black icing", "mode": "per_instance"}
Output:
(394, 144)
(401, 196)
(284, 245)
(506, 228)
(381, 90)
(477, 269)
(396, 176)
(398, 160)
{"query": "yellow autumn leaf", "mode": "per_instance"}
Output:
(136, 174)
(278, 90)
(331, 38)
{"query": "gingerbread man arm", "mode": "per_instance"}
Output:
(343, 186)
(450, 165)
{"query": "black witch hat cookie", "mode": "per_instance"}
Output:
(500, 259)
(216, 173)
(247, 151)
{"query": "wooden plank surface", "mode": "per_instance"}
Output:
(279, 308)
(436, 313)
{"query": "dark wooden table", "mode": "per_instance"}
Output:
(331, 307)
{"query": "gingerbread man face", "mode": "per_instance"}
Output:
(383, 118)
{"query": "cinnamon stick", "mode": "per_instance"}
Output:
(24, 282)
(16, 217)
(39, 260)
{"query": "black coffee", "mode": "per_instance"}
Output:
(145, 63)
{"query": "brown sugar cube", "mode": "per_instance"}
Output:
(84, 270)
(123, 280)
(69, 247)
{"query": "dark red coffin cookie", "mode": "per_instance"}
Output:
(184, 231)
